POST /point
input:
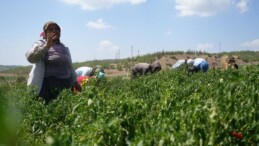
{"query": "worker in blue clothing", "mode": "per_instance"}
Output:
(196, 65)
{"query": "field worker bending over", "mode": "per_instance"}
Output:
(196, 65)
(232, 63)
(100, 74)
(86, 72)
(144, 68)
(179, 63)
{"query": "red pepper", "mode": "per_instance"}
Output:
(237, 135)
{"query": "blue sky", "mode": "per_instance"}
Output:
(109, 29)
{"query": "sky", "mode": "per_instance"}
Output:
(116, 29)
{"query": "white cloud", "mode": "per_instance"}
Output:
(107, 50)
(99, 24)
(201, 7)
(106, 45)
(242, 5)
(99, 4)
(207, 47)
(168, 33)
(208, 7)
(254, 44)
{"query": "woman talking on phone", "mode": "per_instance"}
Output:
(52, 69)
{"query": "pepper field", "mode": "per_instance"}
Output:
(167, 108)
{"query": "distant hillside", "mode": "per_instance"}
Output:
(243, 57)
(122, 67)
(6, 67)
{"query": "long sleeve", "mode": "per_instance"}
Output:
(37, 52)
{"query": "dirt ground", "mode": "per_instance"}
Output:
(115, 73)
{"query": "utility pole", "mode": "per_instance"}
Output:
(219, 47)
(131, 61)
(119, 54)
(131, 52)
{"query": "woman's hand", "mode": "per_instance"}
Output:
(78, 87)
(51, 38)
